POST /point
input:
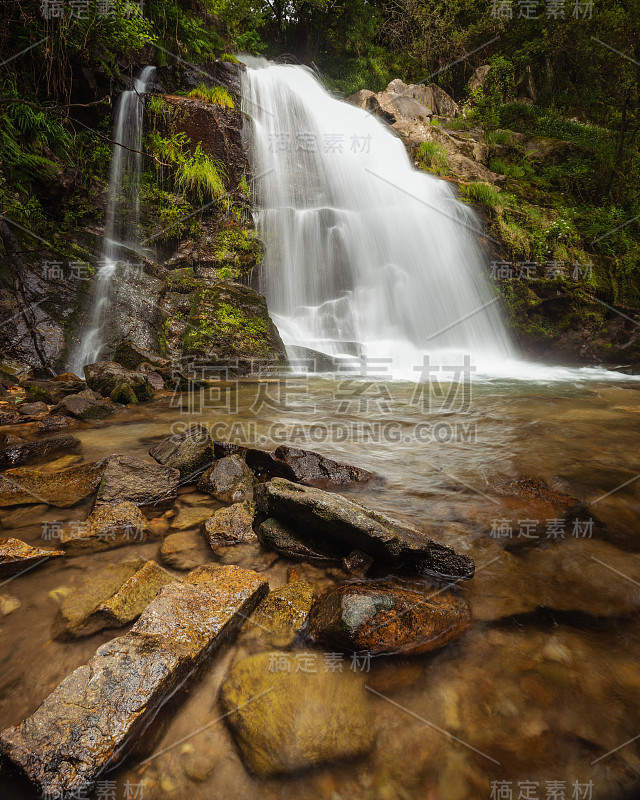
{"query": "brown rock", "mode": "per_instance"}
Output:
(16, 556)
(19, 486)
(229, 480)
(97, 715)
(108, 526)
(379, 618)
(231, 525)
(185, 550)
(26, 451)
(144, 483)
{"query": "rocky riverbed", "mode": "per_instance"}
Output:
(199, 603)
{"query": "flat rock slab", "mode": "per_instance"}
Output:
(20, 453)
(114, 597)
(28, 486)
(98, 714)
(381, 619)
(348, 525)
(16, 555)
(286, 720)
(144, 483)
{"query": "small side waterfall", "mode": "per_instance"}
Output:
(365, 256)
(121, 232)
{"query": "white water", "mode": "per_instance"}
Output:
(121, 232)
(365, 256)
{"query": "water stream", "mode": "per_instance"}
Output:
(121, 233)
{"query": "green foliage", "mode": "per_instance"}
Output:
(201, 176)
(214, 94)
(433, 156)
(483, 193)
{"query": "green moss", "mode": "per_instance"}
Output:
(237, 251)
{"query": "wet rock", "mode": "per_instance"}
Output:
(185, 550)
(67, 377)
(28, 486)
(276, 536)
(95, 718)
(64, 462)
(294, 464)
(79, 407)
(33, 409)
(190, 517)
(79, 604)
(110, 602)
(229, 480)
(53, 422)
(285, 721)
(348, 525)
(379, 618)
(357, 563)
(282, 614)
(23, 516)
(51, 392)
(231, 525)
(16, 556)
(8, 604)
(26, 451)
(130, 356)
(144, 483)
(10, 418)
(190, 452)
(534, 489)
(108, 377)
(108, 526)
(154, 378)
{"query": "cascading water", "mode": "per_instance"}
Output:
(365, 255)
(121, 232)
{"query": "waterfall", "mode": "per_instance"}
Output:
(121, 232)
(366, 256)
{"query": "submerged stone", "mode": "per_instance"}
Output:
(185, 550)
(63, 489)
(229, 480)
(96, 717)
(377, 618)
(16, 556)
(190, 517)
(282, 614)
(348, 525)
(144, 483)
(190, 452)
(78, 605)
(286, 720)
(107, 526)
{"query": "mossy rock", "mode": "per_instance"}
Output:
(230, 322)
(123, 393)
(237, 250)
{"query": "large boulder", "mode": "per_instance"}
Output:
(229, 480)
(190, 452)
(230, 324)
(22, 452)
(115, 381)
(130, 356)
(18, 556)
(287, 720)
(144, 483)
(383, 619)
(323, 517)
(96, 717)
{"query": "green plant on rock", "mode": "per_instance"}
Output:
(213, 94)
(433, 157)
(483, 193)
(201, 176)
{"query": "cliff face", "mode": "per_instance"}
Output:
(185, 294)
